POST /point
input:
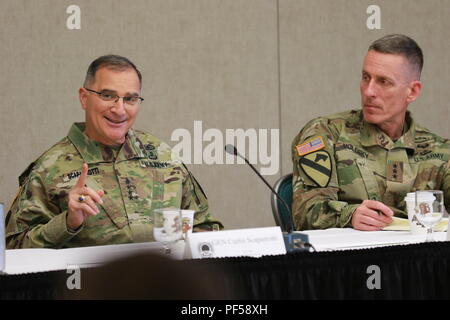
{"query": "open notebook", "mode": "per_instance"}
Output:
(401, 224)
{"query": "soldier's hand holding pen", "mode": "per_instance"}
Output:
(82, 201)
(372, 215)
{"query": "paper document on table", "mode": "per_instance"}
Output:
(401, 224)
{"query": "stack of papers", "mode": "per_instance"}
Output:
(400, 224)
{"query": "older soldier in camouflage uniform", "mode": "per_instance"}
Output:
(353, 169)
(99, 184)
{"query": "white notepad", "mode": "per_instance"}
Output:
(401, 224)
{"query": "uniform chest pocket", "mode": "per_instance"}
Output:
(356, 179)
(166, 186)
(368, 179)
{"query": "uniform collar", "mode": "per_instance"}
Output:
(371, 135)
(93, 152)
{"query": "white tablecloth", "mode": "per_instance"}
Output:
(20, 261)
(347, 238)
(39, 260)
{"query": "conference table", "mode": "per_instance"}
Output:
(346, 264)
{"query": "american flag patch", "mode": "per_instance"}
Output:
(310, 146)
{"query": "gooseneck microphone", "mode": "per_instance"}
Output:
(294, 241)
(232, 150)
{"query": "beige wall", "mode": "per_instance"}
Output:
(230, 63)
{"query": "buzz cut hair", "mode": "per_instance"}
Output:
(401, 45)
(110, 61)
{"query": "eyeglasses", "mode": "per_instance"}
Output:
(130, 100)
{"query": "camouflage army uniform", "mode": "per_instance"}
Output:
(341, 160)
(138, 177)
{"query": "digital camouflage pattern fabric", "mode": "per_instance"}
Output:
(364, 164)
(140, 176)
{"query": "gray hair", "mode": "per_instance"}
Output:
(401, 45)
(111, 61)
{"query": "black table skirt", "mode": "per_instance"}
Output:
(419, 271)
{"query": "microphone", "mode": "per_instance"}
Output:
(293, 241)
(232, 150)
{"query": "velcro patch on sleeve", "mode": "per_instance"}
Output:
(309, 146)
(317, 166)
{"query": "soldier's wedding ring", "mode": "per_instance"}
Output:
(81, 198)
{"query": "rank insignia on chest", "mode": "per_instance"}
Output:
(395, 171)
(317, 166)
(310, 146)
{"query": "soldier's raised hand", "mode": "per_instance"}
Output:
(82, 201)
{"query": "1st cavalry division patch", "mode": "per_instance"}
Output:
(317, 166)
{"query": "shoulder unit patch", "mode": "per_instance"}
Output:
(317, 166)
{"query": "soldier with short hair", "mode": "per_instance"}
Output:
(353, 169)
(100, 183)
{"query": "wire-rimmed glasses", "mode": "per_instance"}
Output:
(112, 97)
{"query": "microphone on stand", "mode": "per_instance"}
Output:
(232, 150)
(293, 241)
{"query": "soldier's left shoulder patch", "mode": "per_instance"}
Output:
(311, 145)
(317, 166)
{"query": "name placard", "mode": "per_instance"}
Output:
(254, 242)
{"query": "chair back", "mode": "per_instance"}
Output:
(283, 186)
